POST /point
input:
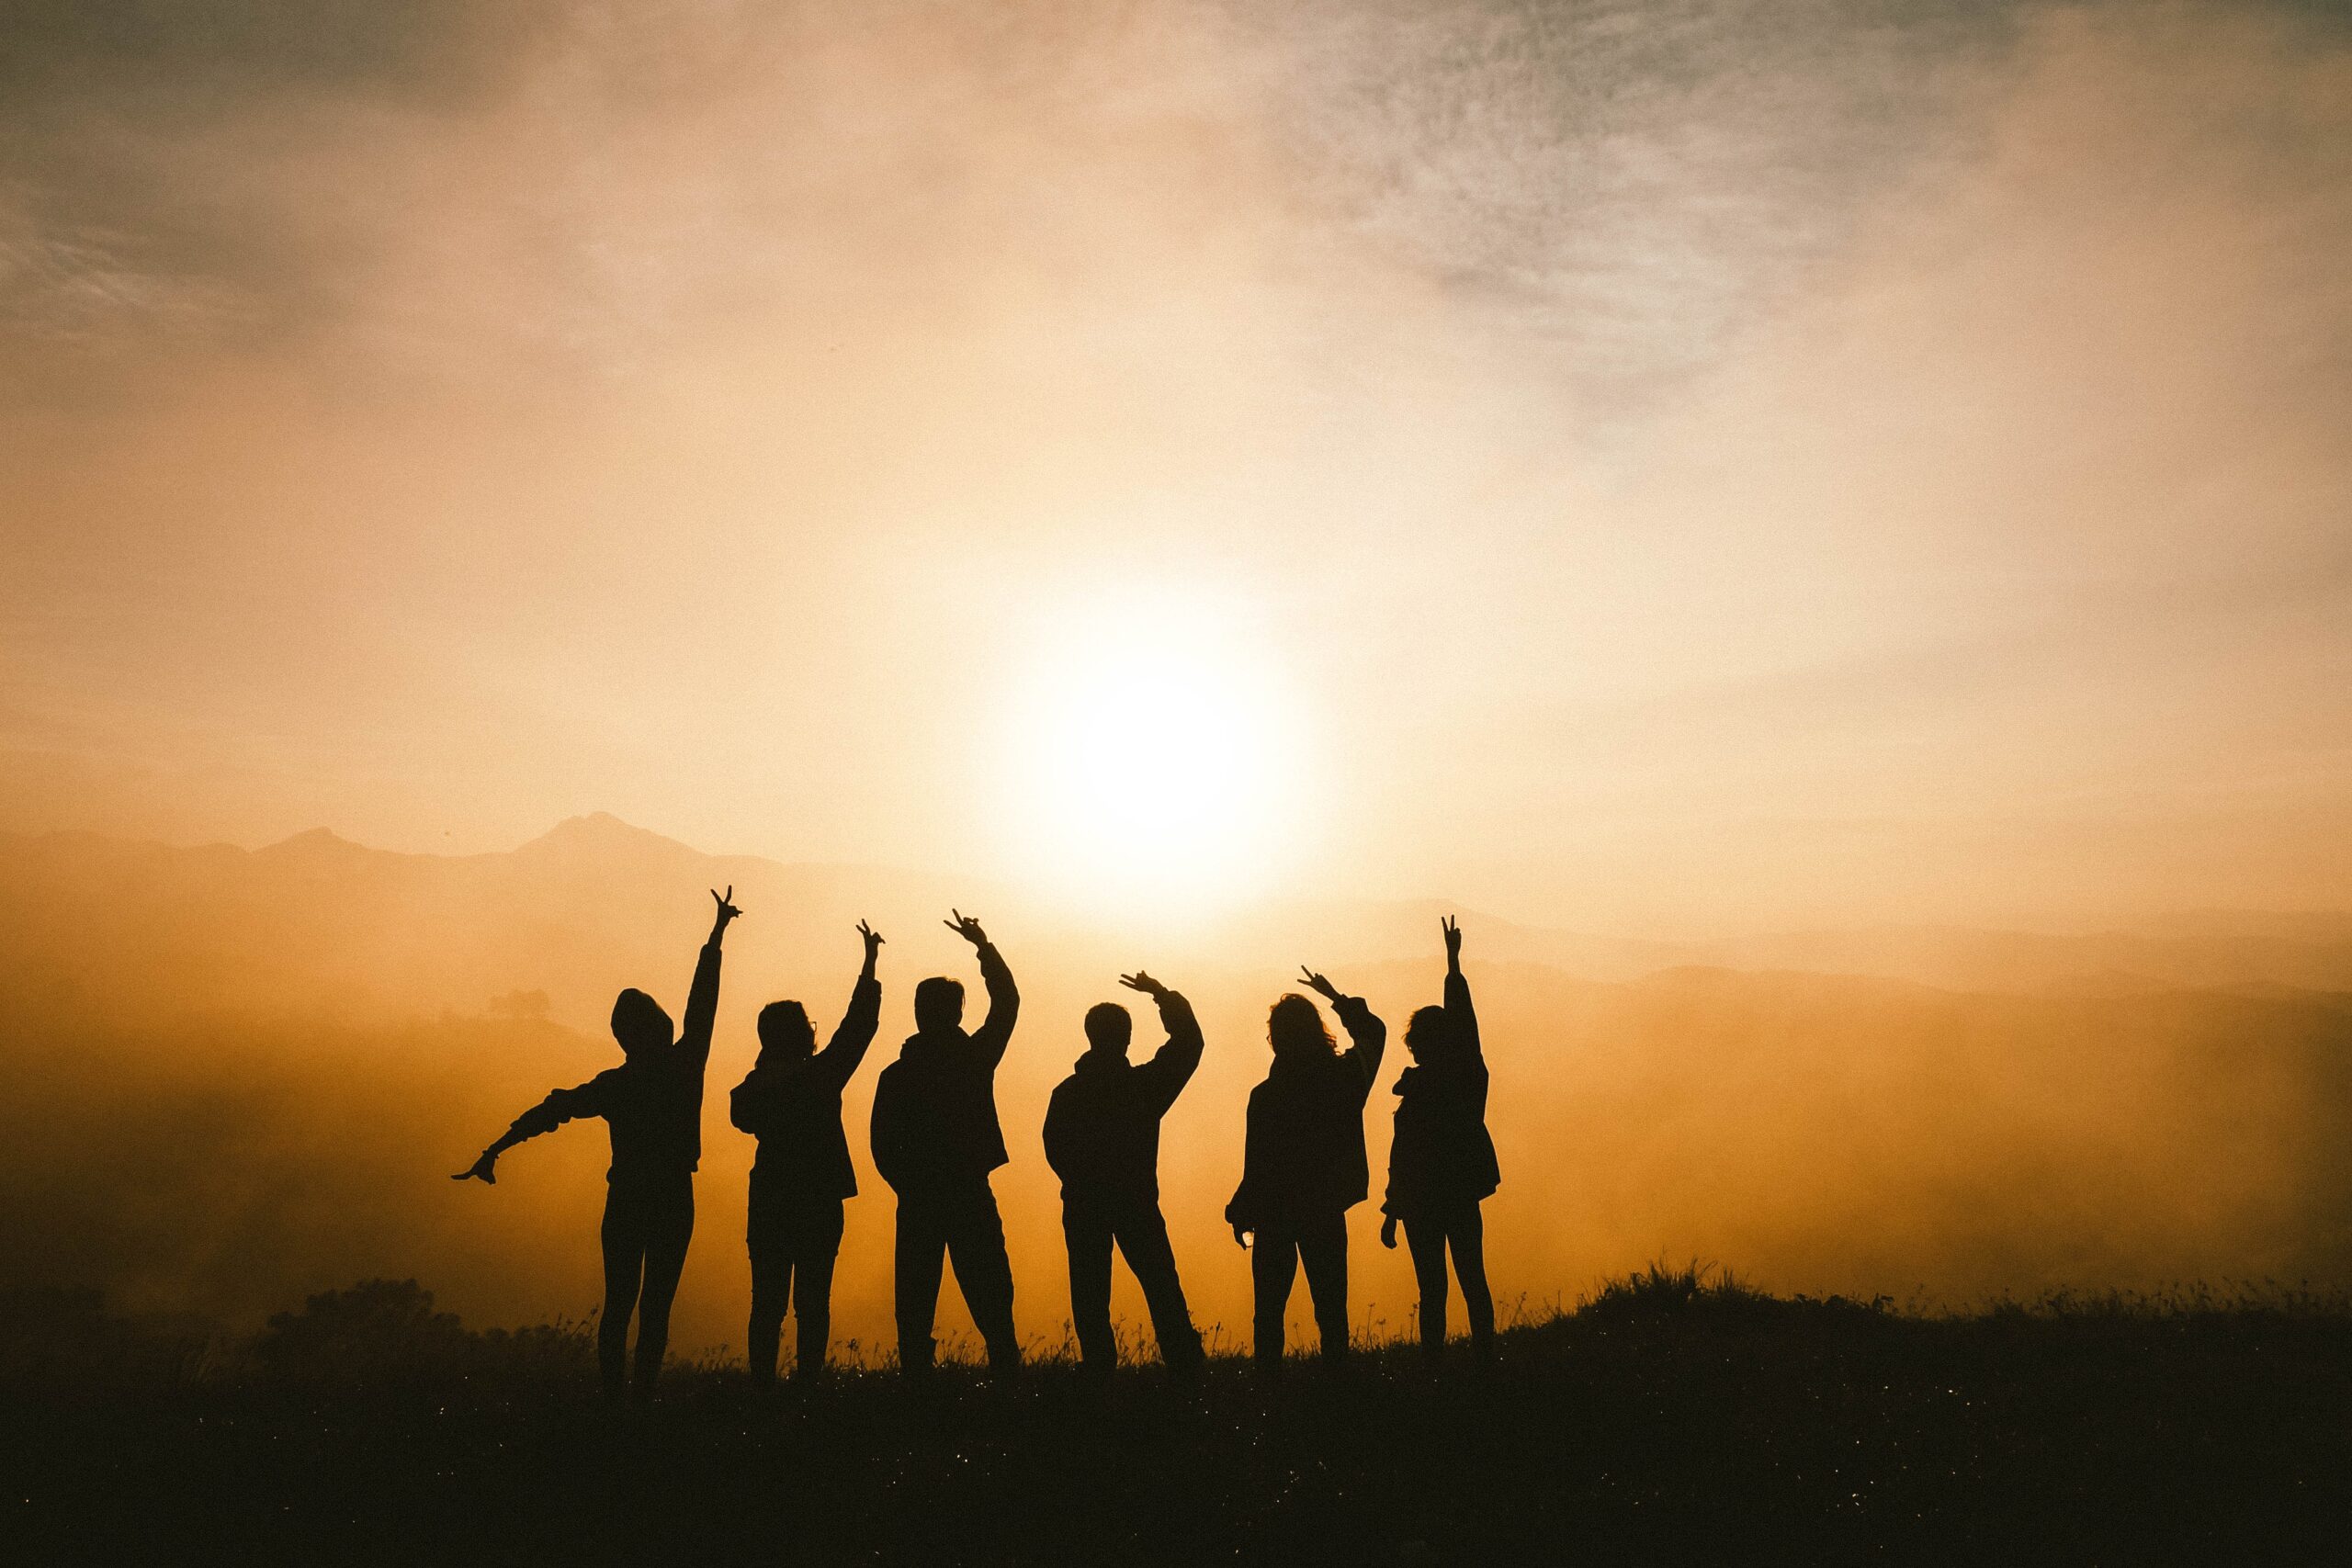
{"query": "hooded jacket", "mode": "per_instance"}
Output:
(652, 1102)
(1304, 1153)
(1103, 1123)
(935, 1109)
(1442, 1154)
(794, 1108)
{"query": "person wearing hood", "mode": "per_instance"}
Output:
(1102, 1140)
(935, 1139)
(653, 1105)
(1304, 1165)
(791, 1103)
(1442, 1162)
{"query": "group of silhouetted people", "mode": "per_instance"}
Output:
(937, 1140)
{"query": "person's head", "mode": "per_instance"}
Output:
(1109, 1028)
(939, 1005)
(1294, 1028)
(1429, 1032)
(786, 1034)
(639, 1024)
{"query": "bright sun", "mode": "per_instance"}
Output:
(1154, 759)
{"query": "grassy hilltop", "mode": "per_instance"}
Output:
(1672, 1418)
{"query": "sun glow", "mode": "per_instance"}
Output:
(1154, 759)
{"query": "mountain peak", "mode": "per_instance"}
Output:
(313, 843)
(600, 832)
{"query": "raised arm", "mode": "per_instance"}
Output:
(995, 1031)
(702, 997)
(1458, 1010)
(1367, 1035)
(847, 1048)
(562, 1105)
(1172, 1065)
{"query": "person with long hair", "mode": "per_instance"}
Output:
(1442, 1162)
(1304, 1165)
(791, 1101)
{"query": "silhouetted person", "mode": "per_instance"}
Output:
(791, 1101)
(1441, 1162)
(1102, 1140)
(935, 1141)
(652, 1104)
(1303, 1167)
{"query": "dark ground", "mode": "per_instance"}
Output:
(1666, 1421)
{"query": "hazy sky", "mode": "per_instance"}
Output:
(1665, 466)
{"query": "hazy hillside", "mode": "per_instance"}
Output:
(245, 1076)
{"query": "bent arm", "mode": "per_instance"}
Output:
(1172, 1065)
(1369, 1037)
(1005, 1006)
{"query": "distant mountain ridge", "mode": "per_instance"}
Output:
(595, 896)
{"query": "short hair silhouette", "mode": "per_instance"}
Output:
(785, 1031)
(639, 1023)
(1109, 1027)
(1296, 1026)
(939, 1005)
(1430, 1029)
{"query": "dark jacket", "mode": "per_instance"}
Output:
(1304, 1151)
(934, 1108)
(794, 1108)
(1442, 1154)
(652, 1102)
(1102, 1124)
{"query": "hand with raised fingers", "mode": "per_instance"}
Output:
(483, 1169)
(967, 928)
(1140, 981)
(1318, 984)
(727, 909)
(872, 940)
(1453, 929)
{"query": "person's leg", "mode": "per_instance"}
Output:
(984, 1273)
(1425, 1238)
(1273, 1265)
(671, 1228)
(770, 1286)
(1086, 1230)
(921, 1244)
(1468, 1237)
(622, 1236)
(1142, 1241)
(818, 1243)
(1323, 1247)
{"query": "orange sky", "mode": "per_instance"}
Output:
(1663, 467)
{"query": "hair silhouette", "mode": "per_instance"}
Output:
(1304, 1165)
(791, 1103)
(1442, 1161)
(935, 1140)
(652, 1104)
(1102, 1140)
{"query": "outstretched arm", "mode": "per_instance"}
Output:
(702, 999)
(1458, 1010)
(847, 1048)
(1004, 1000)
(563, 1105)
(1172, 1065)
